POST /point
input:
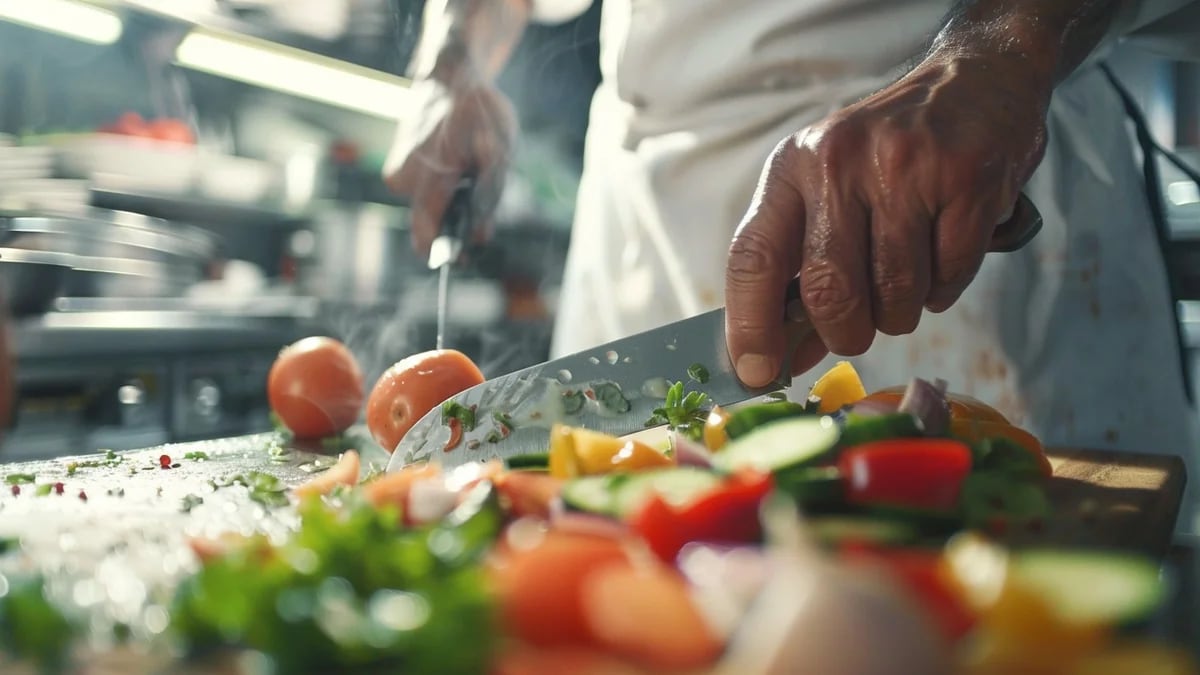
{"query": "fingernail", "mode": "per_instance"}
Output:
(755, 370)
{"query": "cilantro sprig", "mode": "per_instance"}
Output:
(682, 411)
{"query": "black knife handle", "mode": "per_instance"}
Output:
(457, 221)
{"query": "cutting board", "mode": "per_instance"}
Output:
(130, 533)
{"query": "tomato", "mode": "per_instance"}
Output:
(171, 130)
(728, 513)
(528, 493)
(315, 387)
(541, 588)
(414, 386)
(646, 614)
(922, 473)
(961, 405)
(928, 577)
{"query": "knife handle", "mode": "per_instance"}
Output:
(1019, 229)
(456, 222)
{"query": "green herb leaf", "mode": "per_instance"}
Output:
(20, 478)
(610, 397)
(198, 455)
(454, 410)
(573, 401)
(44, 489)
(33, 628)
(698, 373)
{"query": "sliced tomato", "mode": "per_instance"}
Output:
(646, 614)
(541, 588)
(925, 473)
(528, 493)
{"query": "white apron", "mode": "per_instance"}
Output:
(1072, 337)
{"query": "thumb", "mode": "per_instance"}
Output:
(763, 258)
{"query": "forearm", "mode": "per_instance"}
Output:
(464, 40)
(1048, 38)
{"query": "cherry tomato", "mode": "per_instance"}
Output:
(541, 588)
(315, 387)
(171, 130)
(961, 405)
(924, 473)
(413, 387)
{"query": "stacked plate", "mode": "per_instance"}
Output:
(26, 183)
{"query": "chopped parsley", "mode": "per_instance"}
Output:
(453, 410)
(198, 455)
(573, 401)
(20, 478)
(44, 489)
(263, 487)
(111, 459)
(698, 373)
(685, 413)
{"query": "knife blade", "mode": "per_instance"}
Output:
(446, 249)
(614, 388)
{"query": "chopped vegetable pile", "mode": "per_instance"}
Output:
(850, 533)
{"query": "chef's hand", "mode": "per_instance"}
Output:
(451, 131)
(883, 209)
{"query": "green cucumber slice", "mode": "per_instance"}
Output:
(1092, 587)
(858, 429)
(750, 418)
(619, 495)
(812, 486)
(539, 460)
(676, 486)
(783, 444)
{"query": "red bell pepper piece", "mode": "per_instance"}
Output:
(728, 513)
(925, 473)
(922, 574)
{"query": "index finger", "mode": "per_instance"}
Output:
(763, 258)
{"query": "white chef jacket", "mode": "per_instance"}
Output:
(1072, 337)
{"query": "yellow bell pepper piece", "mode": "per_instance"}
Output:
(582, 452)
(714, 429)
(839, 387)
(563, 462)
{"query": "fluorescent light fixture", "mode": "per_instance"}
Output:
(292, 71)
(79, 20)
(1183, 193)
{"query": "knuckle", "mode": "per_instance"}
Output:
(897, 151)
(956, 270)
(897, 289)
(827, 295)
(753, 258)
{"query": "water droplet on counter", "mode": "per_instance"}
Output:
(611, 357)
(564, 376)
(655, 387)
(627, 359)
(671, 347)
(594, 361)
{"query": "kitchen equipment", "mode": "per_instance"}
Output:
(355, 254)
(100, 277)
(446, 249)
(110, 234)
(32, 279)
(614, 388)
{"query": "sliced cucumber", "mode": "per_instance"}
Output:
(750, 418)
(618, 495)
(812, 486)
(859, 429)
(539, 460)
(1091, 587)
(838, 529)
(593, 494)
(676, 486)
(783, 444)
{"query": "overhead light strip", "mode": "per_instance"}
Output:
(79, 20)
(292, 71)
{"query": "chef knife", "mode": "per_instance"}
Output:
(614, 388)
(447, 248)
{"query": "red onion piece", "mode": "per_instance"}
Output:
(690, 453)
(928, 404)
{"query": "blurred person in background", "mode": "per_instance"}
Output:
(896, 136)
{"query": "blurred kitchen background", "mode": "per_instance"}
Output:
(187, 185)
